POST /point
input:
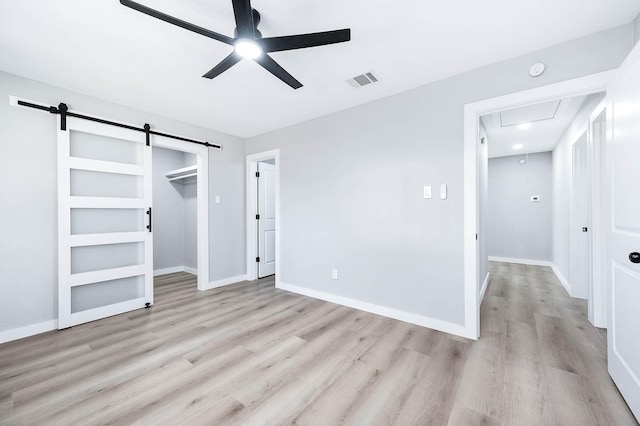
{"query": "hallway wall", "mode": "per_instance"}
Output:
(517, 227)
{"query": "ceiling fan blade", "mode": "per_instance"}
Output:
(272, 66)
(226, 63)
(244, 18)
(300, 41)
(175, 21)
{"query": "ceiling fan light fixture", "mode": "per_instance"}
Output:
(248, 48)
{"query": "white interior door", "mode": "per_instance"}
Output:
(581, 220)
(105, 246)
(623, 153)
(266, 219)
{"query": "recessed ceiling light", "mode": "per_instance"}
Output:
(518, 146)
(524, 126)
(248, 49)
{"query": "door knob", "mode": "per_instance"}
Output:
(634, 257)
(584, 229)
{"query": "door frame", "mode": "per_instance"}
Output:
(580, 86)
(598, 299)
(252, 205)
(202, 201)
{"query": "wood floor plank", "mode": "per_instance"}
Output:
(251, 354)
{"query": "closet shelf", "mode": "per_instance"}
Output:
(184, 175)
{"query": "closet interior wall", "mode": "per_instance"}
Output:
(174, 213)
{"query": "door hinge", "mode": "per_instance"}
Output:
(258, 259)
(476, 237)
(257, 174)
(257, 217)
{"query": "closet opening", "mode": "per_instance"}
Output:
(175, 248)
(180, 213)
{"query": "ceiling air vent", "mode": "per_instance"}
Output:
(363, 79)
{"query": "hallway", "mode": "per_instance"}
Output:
(549, 358)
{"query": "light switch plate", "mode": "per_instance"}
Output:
(427, 191)
(217, 199)
(443, 191)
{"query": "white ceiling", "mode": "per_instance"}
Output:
(548, 120)
(104, 49)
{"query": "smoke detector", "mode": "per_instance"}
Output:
(363, 79)
(536, 69)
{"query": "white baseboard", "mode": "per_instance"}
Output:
(225, 281)
(27, 330)
(520, 261)
(562, 279)
(175, 269)
(483, 290)
(447, 327)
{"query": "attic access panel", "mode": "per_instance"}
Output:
(530, 113)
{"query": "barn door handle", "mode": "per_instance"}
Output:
(634, 257)
(149, 225)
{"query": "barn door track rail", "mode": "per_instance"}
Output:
(63, 110)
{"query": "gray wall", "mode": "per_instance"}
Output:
(28, 259)
(351, 183)
(168, 211)
(174, 212)
(190, 212)
(562, 175)
(518, 228)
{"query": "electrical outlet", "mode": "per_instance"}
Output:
(334, 274)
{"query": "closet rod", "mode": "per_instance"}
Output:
(64, 112)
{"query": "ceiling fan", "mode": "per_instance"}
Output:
(248, 41)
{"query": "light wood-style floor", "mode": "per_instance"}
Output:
(251, 354)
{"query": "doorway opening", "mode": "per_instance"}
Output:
(263, 215)
(536, 167)
(175, 249)
(181, 209)
(475, 239)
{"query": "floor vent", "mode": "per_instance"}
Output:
(363, 79)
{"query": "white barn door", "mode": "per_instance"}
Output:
(623, 154)
(267, 219)
(105, 246)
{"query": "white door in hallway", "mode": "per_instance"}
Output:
(105, 246)
(267, 219)
(581, 261)
(623, 155)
